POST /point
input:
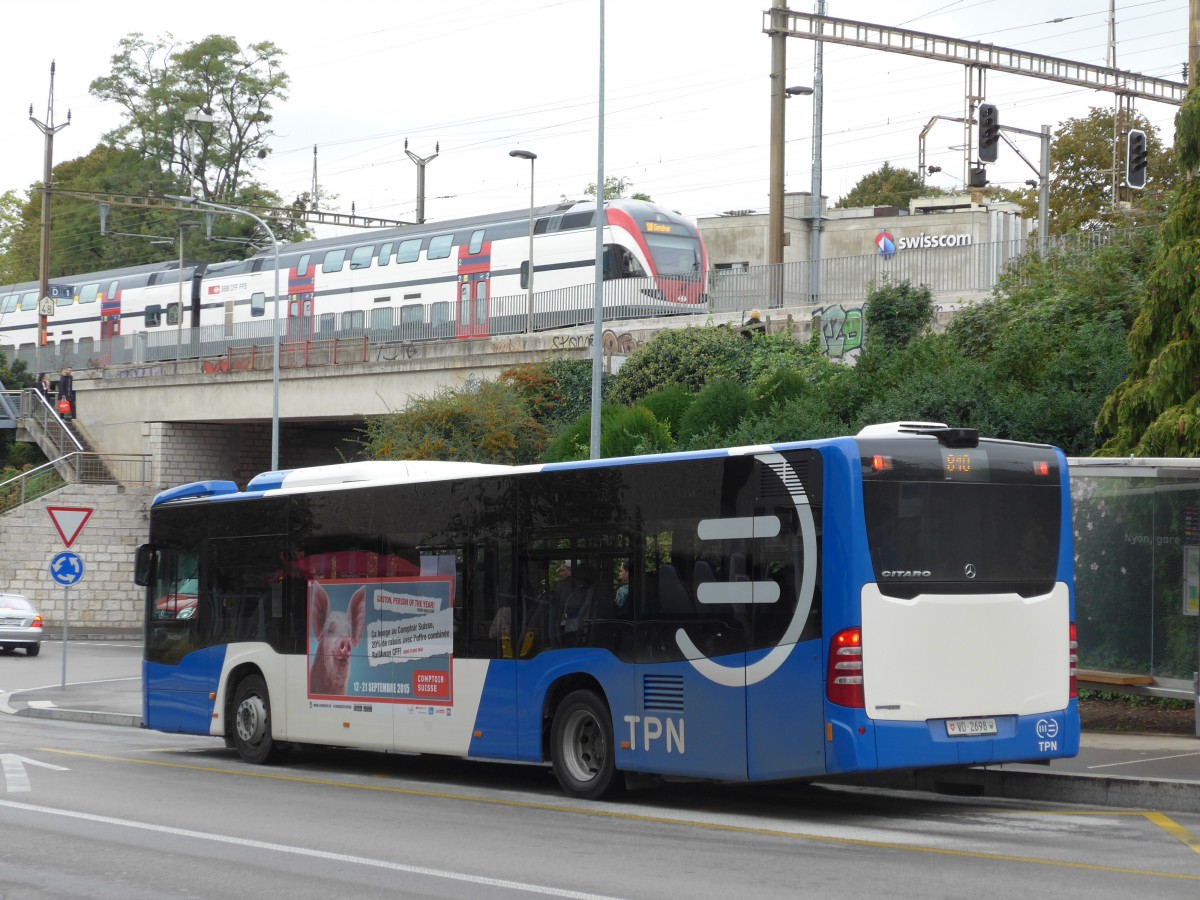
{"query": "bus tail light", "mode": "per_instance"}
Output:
(844, 680)
(1074, 662)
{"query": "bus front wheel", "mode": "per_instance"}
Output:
(582, 749)
(252, 722)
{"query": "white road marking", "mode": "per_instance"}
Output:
(1131, 762)
(15, 775)
(314, 854)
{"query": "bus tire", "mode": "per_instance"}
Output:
(252, 722)
(581, 746)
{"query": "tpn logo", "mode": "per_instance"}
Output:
(886, 244)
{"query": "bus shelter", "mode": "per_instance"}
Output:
(1137, 572)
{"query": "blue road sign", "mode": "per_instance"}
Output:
(66, 568)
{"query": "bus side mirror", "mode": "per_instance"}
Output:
(143, 569)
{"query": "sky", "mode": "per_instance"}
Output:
(686, 93)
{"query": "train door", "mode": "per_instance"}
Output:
(110, 321)
(301, 297)
(474, 276)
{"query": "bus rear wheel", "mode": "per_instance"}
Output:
(582, 750)
(252, 722)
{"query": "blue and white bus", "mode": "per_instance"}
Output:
(899, 599)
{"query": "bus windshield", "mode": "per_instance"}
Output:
(942, 519)
(674, 254)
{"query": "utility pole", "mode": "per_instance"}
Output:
(1193, 41)
(421, 163)
(48, 130)
(775, 210)
(814, 270)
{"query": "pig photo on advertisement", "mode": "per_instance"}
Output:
(337, 634)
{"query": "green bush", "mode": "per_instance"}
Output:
(624, 431)
(669, 406)
(716, 411)
(691, 357)
(896, 314)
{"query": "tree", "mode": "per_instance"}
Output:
(1156, 410)
(1081, 161)
(159, 82)
(487, 422)
(887, 186)
(615, 188)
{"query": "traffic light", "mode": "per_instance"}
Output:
(1136, 155)
(989, 132)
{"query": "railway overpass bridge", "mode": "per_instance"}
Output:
(199, 419)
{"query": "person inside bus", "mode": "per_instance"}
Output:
(622, 594)
(576, 611)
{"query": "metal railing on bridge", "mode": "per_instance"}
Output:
(950, 273)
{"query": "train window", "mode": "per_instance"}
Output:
(173, 314)
(525, 275)
(409, 251)
(439, 313)
(258, 303)
(414, 314)
(464, 305)
(381, 318)
(302, 266)
(8, 303)
(352, 321)
(361, 257)
(541, 226)
(385, 253)
(112, 290)
(29, 300)
(439, 247)
(153, 315)
(577, 220)
(257, 264)
(88, 293)
(326, 322)
(476, 242)
(64, 299)
(334, 260)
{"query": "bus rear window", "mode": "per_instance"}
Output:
(979, 519)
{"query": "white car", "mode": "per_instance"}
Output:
(20, 624)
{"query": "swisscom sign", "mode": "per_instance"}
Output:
(888, 245)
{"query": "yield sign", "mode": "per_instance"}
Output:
(69, 520)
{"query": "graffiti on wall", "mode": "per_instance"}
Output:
(841, 330)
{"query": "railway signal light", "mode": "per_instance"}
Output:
(1137, 154)
(989, 132)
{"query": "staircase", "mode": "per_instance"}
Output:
(73, 459)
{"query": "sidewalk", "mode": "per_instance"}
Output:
(1143, 771)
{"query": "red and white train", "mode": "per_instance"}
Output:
(463, 278)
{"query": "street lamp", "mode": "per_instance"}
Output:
(803, 91)
(275, 334)
(531, 156)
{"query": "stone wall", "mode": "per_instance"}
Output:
(106, 599)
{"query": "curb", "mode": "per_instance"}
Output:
(82, 715)
(1046, 787)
